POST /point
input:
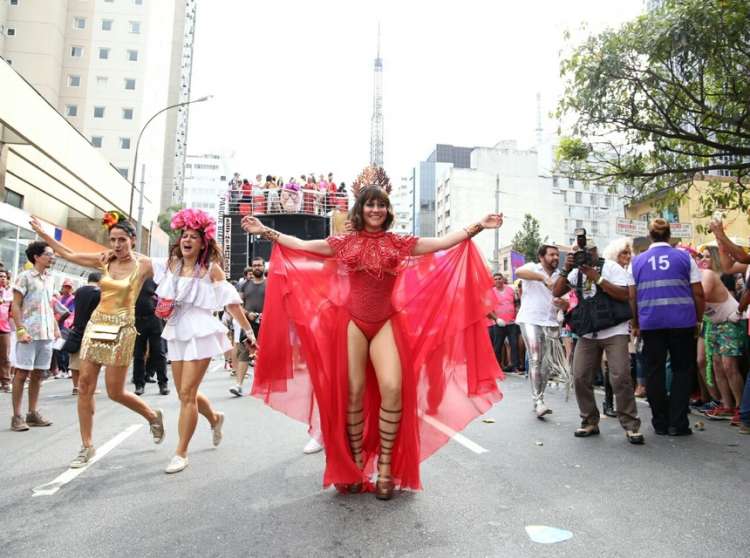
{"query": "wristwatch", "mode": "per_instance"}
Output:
(600, 280)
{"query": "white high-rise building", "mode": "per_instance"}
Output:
(403, 206)
(206, 179)
(107, 66)
(587, 206)
(505, 177)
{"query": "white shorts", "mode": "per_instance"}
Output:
(36, 355)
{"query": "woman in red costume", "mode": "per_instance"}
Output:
(378, 342)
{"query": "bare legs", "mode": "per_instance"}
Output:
(733, 379)
(387, 364)
(240, 366)
(188, 374)
(19, 382)
(386, 361)
(115, 381)
(355, 418)
(707, 392)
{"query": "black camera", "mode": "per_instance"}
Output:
(583, 256)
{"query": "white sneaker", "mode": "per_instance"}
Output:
(83, 457)
(236, 390)
(542, 409)
(313, 446)
(176, 465)
(218, 435)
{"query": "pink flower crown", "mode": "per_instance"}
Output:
(195, 219)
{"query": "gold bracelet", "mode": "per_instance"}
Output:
(473, 230)
(269, 234)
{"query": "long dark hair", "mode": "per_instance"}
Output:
(357, 214)
(209, 254)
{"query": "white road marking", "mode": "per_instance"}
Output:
(455, 436)
(52, 487)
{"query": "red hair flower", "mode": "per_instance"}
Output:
(111, 218)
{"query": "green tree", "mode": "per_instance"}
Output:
(165, 218)
(527, 240)
(662, 100)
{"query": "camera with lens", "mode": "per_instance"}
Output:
(583, 256)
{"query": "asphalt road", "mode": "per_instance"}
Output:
(258, 495)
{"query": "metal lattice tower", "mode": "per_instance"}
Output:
(183, 117)
(376, 123)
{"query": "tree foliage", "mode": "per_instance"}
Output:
(662, 99)
(165, 218)
(527, 240)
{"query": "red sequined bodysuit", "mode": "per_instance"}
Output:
(373, 261)
(437, 306)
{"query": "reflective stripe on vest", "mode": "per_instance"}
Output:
(664, 283)
(666, 301)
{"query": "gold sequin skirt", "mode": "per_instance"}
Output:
(115, 352)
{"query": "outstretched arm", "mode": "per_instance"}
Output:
(234, 310)
(86, 260)
(252, 225)
(430, 245)
(727, 248)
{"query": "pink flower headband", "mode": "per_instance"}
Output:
(195, 219)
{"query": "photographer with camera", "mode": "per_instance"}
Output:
(601, 322)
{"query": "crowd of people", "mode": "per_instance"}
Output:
(648, 319)
(677, 332)
(310, 194)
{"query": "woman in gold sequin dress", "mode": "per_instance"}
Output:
(110, 335)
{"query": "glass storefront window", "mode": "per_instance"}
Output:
(8, 236)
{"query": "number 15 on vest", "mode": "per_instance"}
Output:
(662, 262)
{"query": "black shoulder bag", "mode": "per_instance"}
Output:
(596, 313)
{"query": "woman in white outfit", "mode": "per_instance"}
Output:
(192, 286)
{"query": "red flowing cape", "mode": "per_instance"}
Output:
(448, 365)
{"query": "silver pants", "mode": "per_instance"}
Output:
(537, 339)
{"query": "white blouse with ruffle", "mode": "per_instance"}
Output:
(193, 330)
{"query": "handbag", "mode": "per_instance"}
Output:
(596, 313)
(108, 333)
(165, 307)
(73, 342)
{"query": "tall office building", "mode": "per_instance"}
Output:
(501, 176)
(426, 177)
(108, 66)
(403, 206)
(205, 182)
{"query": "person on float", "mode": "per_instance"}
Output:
(192, 286)
(373, 307)
(110, 335)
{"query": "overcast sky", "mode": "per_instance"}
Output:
(293, 79)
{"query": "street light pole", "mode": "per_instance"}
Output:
(138, 143)
(496, 262)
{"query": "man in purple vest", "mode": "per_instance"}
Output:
(668, 304)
